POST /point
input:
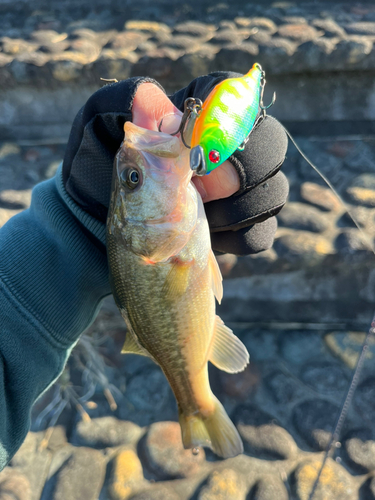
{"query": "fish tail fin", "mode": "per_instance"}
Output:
(216, 431)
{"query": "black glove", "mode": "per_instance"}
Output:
(240, 224)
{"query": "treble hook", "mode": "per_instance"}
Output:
(191, 105)
(261, 105)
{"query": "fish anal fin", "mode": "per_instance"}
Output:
(215, 431)
(216, 278)
(131, 346)
(177, 280)
(227, 351)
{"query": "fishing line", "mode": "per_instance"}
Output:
(334, 441)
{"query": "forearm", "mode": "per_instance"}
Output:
(52, 279)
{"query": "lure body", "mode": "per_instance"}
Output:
(226, 119)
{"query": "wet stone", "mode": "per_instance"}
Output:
(262, 437)
(126, 475)
(330, 27)
(166, 455)
(241, 56)
(362, 196)
(224, 37)
(335, 483)
(298, 347)
(361, 28)
(360, 447)
(314, 420)
(194, 28)
(225, 484)
(320, 196)
(242, 385)
(157, 492)
(14, 485)
(347, 346)
(299, 216)
(300, 32)
(302, 246)
(270, 488)
(325, 377)
(106, 432)
(82, 476)
(261, 344)
(262, 23)
(351, 241)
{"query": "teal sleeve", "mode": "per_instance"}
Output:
(52, 280)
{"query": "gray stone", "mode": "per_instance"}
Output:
(299, 216)
(226, 484)
(325, 377)
(335, 482)
(283, 387)
(360, 447)
(352, 242)
(106, 432)
(194, 28)
(126, 475)
(166, 455)
(157, 492)
(240, 386)
(261, 344)
(361, 28)
(364, 397)
(314, 419)
(228, 36)
(351, 53)
(240, 56)
(270, 488)
(262, 437)
(300, 32)
(330, 27)
(82, 476)
(320, 196)
(303, 246)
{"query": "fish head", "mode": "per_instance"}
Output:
(153, 205)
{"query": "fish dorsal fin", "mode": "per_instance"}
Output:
(131, 346)
(216, 278)
(177, 279)
(227, 351)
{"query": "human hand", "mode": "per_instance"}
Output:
(240, 201)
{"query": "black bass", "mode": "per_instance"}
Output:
(164, 278)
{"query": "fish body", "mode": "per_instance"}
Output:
(164, 279)
(226, 119)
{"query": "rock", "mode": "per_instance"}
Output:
(81, 476)
(261, 344)
(303, 246)
(277, 52)
(325, 377)
(126, 475)
(347, 346)
(106, 432)
(261, 23)
(330, 27)
(335, 483)
(240, 56)
(364, 397)
(262, 437)
(314, 419)
(14, 485)
(300, 32)
(360, 447)
(130, 40)
(225, 484)
(228, 36)
(301, 346)
(320, 196)
(157, 492)
(351, 241)
(361, 28)
(283, 387)
(147, 26)
(350, 53)
(166, 455)
(242, 385)
(362, 196)
(68, 70)
(195, 28)
(300, 216)
(270, 488)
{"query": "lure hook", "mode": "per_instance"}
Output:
(191, 105)
(263, 84)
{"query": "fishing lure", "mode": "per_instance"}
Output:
(224, 121)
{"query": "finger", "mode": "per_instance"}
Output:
(151, 105)
(220, 183)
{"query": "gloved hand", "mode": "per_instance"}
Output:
(240, 224)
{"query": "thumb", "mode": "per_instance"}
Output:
(151, 105)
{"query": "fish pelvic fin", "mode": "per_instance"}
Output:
(131, 346)
(216, 277)
(216, 431)
(227, 351)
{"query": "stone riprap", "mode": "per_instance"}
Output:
(301, 309)
(319, 57)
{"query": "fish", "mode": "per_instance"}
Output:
(225, 120)
(164, 278)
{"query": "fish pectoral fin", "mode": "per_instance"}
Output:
(177, 279)
(216, 277)
(131, 346)
(227, 351)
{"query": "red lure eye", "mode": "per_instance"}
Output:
(214, 156)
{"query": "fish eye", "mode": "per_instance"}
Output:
(130, 178)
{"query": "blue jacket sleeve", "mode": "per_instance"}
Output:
(52, 280)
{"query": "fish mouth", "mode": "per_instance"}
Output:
(197, 161)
